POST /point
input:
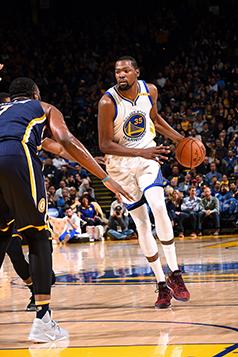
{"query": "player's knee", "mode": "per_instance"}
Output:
(143, 223)
(160, 213)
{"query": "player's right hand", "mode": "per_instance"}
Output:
(157, 153)
(117, 189)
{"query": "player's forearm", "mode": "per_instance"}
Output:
(113, 148)
(55, 148)
(80, 154)
(165, 129)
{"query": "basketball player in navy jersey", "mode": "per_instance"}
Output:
(22, 191)
(127, 122)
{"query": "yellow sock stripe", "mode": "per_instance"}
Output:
(39, 228)
(43, 302)
(17, 235)
(31, 172)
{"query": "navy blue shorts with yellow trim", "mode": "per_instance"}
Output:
(22, 190)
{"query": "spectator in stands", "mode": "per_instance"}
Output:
(185, 185)
(70, 181)
(230, 160)
(58, 162)
(88, 213)
(118, 224)
(47, 183)
(177, 217)
(204, 168)
(63, 201)
(91, 199)
(50, 171)
(213, 172)
(224, 180)
(52, 205)
(233, 190)
(193, 133)
(76, 168)
(192, 206)
(74, 199)
(59, 191)
(209, 212)
(198, 124)
(206, 133)
(176, 173)
(221, 150)
(215, 188)
(200, 183)
(115, 204)
(72, 225)
(174, 182)
(195, 184)
(84, 186)
(228, 204)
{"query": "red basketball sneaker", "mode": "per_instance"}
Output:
(164, 296)
(176, 284)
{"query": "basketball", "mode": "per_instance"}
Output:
(190, 152)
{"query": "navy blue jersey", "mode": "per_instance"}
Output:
(22, 189)
(23, 121)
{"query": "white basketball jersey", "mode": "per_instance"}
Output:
(133, 127)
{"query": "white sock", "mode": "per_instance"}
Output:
(158, 270)
(170, 255)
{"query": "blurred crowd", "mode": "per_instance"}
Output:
(194, 66)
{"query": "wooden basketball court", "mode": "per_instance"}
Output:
(105, 297)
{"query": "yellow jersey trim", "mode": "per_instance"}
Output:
(39, 228)
(25, 139)
(30, 127)
(31, 172)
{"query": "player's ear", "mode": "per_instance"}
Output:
(137, 72)
(36, 95)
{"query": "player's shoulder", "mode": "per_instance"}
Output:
(152, 88)
(106, 100)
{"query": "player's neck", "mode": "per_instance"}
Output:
(20, 98)
(130, 93)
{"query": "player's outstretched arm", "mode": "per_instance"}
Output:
(76, 150)
(161, 126)
(54, 147)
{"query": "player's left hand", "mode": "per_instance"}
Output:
(165, 150)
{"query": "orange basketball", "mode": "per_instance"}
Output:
(190, 152)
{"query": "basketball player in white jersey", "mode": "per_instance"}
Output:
(127, 122)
